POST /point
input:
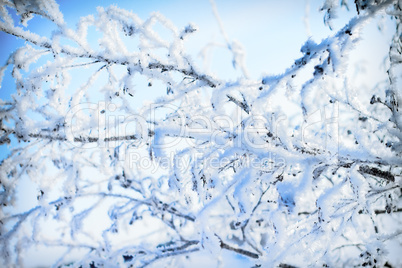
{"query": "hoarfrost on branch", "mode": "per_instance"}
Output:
(211, 165)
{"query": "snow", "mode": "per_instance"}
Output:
(132, 153)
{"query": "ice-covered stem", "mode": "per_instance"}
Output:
(393, 95)
(136, 26)
(194, 244)
(56, 137)
(239, 250)
(62, 203)
(44, 43)
(169, 252)
(188, 72)
(342, 40)
(234, 47)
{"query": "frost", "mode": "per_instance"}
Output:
(294, 169)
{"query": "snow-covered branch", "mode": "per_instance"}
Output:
(211, 165)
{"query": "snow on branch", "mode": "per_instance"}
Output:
(211, 165)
